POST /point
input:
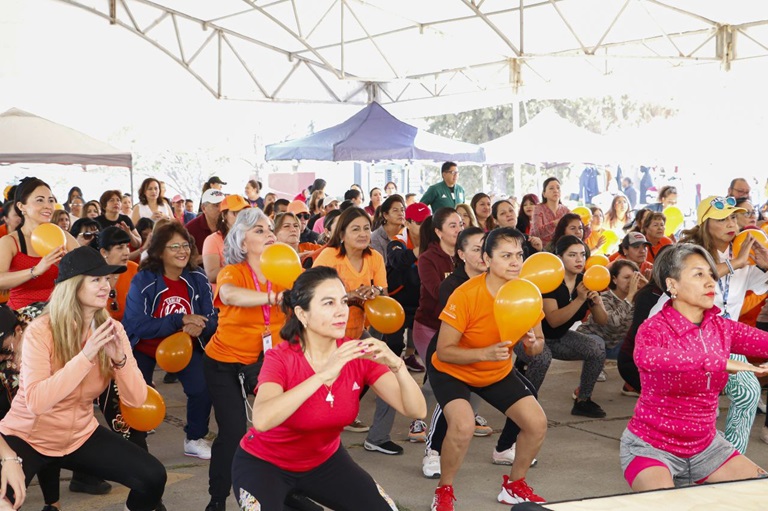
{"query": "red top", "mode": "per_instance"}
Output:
(174, 300)
(33, 290)
(434, 265)
(313, 433)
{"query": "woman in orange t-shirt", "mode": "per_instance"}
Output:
(653, 230)
(249, 323)
(471, 357)
(360, 268)
(288, 231)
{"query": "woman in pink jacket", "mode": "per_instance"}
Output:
(70, 354)
(682, 354)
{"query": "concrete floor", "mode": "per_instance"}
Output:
(579, 458)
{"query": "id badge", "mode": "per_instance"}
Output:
(266, 340)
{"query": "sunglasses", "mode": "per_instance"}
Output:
(722, 203)
(89, 235)
(113, 303)
(303, 216)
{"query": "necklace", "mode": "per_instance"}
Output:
(329, 397)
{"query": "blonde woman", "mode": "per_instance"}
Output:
(467, 216)
(70, 354)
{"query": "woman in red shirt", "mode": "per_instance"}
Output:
(309, 389)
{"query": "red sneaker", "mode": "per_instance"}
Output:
(515, 492)
(444, 499)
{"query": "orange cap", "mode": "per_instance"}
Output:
(297, 207)
(233, 203)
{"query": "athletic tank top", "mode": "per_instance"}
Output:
(33, 290)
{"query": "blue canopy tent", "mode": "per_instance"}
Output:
(373, 134)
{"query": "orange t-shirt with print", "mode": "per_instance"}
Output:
(238, 337)
(470, 311)
(373, 272)
(122, 286)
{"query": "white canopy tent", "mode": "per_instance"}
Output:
(436, 51)
(27, 138)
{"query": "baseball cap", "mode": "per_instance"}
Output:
(85, 261)
(634, 238)
(417, 212)
(213, 196)
(177, 198)
(716, 208)
(233, 203)
(215, 180)
(297, 207)
(112, 236)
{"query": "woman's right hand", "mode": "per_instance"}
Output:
(497, 352)
(348, 351)
(12, 475)
(53, 257)
(194, 319)
(98, 339)
(582, 292)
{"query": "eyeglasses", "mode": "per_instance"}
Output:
(750, 213)
(742, 192)
(113, 306)
(453, 172)
(89, 235)
(303, 216)
(177, 247)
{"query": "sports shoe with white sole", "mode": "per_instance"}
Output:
(388, 447)
(443, 499)
(481, 427)
(197, 448)
(507, 457)
(517, 492)
(430, 465)
(417, 432)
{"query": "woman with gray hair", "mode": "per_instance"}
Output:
(249, 324)
(682, 354)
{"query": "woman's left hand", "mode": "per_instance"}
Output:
(536, 243)
(595, 298)
(114, 348)
(12, 475)
(761, 255)
(379, 352)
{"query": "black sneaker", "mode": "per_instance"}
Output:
(215, 505)
(387, 447)
(83, 483)
(587, 408)
(170, 378)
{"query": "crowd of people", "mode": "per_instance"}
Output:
(283, 370)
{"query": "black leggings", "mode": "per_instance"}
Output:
(339, 484)
(628, 370)
(109, 456)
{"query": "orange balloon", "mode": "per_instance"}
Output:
(281, 264)
(149, 415)
(174, 352)
(610, 243)
(597, 278)
(385, 314)
(584, 213)
(738, 241)
(46, 238)
(597, 260)
(544, 270)
(517, 308)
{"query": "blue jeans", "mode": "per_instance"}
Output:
(193, 382)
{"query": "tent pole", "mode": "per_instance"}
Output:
(130, 172)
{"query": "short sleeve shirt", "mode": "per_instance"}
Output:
(372, 272)
(470, 311)
(238, 337)
(563, 297)
(313, 432)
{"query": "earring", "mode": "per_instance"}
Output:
(673, 294)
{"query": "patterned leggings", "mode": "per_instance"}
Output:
(572, 346)
(744, 391)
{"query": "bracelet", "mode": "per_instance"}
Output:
(32, 272)
(15, 459)
(122, 363)
(400, 366)
(729, 265)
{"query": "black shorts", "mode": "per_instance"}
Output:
(501, 395)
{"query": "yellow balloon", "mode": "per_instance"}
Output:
(544, 270)
(674, 220)
(584, 213)
(610, 243)
(46, 238)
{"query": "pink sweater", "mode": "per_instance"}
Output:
(682, 371)
(53, 409)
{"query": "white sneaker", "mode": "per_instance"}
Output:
(761, 405)
(197, 448)
(507, 457)
(430, 465)
(602, 376)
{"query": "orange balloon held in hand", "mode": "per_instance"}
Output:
(174, 352)
(738, 241)
(544, 270)
(596, 260)
(46, 238)
(385, 314)
(281, 264)
(149, 415)
(584, 213)
(597, 278)
(517, 309)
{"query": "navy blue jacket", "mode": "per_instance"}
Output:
(141, 302)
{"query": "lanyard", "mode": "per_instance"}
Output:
(724, 290)
(266, 311)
